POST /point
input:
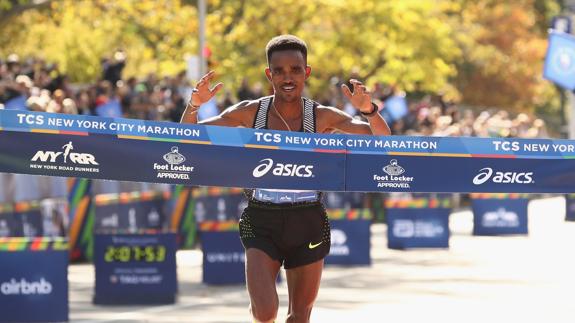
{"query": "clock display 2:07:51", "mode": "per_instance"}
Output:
(135, 253)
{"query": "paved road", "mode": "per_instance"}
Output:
(479, 279)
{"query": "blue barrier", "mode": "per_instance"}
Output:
(223, 253)
(33, 280)
(418, 220)
(570, 207)
(417, 228)
(135, 269)
(350, 240)
(496, 216)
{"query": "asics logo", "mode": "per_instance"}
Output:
(284, 170)
(263, 168)
(483, 176)
(486, 173)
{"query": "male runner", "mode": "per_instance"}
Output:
(295, 234)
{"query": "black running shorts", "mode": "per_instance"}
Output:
(294, 235)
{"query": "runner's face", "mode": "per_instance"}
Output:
(287, 73)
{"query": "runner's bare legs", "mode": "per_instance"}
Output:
(303, 285)
(261, 275)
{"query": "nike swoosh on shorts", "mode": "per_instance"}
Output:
(311, 245)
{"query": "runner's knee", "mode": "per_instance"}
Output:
(264, 310)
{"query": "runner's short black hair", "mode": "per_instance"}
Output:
(286, 42)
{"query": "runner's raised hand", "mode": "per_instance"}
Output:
(202, 93)
(360, 98)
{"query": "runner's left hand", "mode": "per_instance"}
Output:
(360, 98)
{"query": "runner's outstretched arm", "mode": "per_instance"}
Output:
(233, 116)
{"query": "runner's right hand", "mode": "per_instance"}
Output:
(202, 92)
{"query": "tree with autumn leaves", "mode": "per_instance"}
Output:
(483, 53)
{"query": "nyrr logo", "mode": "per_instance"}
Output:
(24, 287)
(67, 156)
(286, 170)
(486, 174)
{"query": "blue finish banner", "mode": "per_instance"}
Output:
(34, 286)
(163, 152)
(417, 228)
(500, 216)
(135, 268)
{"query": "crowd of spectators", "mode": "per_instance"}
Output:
(433, 116)
(36, 85)
(426, 118)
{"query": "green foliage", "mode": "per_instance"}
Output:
(481, 52)
(78, 34)
(503, 58)
(406, 43)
